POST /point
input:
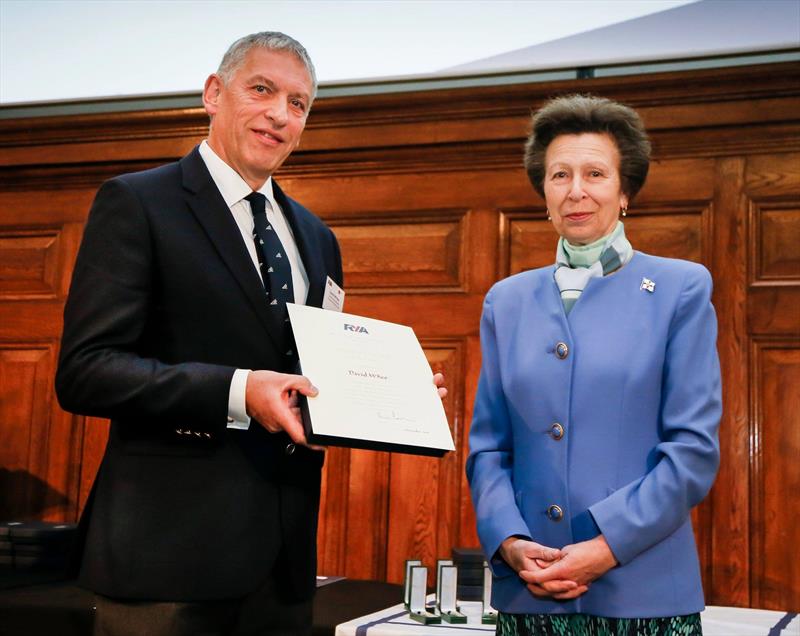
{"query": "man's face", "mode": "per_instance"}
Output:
(259, 114)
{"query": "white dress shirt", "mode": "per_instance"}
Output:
(234, 189)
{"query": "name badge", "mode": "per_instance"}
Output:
(334, 296)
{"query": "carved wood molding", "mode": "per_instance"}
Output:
(351, 129)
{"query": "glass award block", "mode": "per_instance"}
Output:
(446, 595)
(441, 563)
(489, 614)
(416, 601)
(407, 580)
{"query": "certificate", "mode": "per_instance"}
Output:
(375, 386)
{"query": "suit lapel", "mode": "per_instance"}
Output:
(211, 211)
(307, 241)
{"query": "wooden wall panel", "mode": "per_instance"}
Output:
(431, 205)
(777, 229)
(367, 509)
(527, 241)
(422, 507)
(416, 251)
(26, 371)
(729, 533)
(28, 263)
(776, 474)
(674, 232)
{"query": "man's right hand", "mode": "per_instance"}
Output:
(271, 399)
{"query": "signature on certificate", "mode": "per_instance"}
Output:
(391, 414)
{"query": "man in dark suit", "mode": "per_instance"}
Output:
(203, 515)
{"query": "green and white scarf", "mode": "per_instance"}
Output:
(577, 264)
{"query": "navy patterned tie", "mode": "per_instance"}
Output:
(276, 271)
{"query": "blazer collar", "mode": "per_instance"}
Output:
(214, 216)
(306, 235)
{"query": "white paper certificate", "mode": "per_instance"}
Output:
(375, 386)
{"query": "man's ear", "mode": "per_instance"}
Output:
(211, 94)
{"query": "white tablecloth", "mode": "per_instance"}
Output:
(717, 621)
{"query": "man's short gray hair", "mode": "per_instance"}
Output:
(271, 40)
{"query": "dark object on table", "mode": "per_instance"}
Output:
(345, 600)
(469, 562)
(35, 545)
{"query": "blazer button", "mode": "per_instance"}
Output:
(562, 350)
(555, 513)
(290, 448)
(556, 431)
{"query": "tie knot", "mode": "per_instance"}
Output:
(257, 202)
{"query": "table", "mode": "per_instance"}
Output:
(717, 621)
(40, 604)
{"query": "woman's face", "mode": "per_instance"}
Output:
(582, 186)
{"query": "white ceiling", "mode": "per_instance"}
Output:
(54, 50)
(709, 27)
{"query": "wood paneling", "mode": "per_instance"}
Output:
(26, 371)
(415, 251)
(776, 241)
(431, 205)
(528, 240)
(729, 533)
(28, 264)
(672, 232)
(775, 508)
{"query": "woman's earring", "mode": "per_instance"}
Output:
(624, 211)
(549, 218)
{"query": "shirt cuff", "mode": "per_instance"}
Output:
(237, 402)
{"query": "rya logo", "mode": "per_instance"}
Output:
(356, 328)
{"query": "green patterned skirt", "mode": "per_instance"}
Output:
(585, 625)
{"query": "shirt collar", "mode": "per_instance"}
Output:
(229, 183)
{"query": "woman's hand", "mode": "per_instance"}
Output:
(522, 554)
(580, 564)
(527, 557)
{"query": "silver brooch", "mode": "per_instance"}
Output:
(648, 285)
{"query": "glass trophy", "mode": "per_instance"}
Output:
(439, 565)
(489, 614)
(446, 595)
(416, 602)
(407, 581)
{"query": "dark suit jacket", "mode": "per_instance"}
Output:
(165, 304)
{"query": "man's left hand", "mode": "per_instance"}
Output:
(438, 380)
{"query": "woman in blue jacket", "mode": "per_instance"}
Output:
(596, 415)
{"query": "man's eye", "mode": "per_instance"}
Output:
(299, 104)
(260, 88)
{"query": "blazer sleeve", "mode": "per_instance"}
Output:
(647, 510)
(103, 370)
(489, 464)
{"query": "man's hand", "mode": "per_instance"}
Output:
(271, 398)
(580, 564)
(438, 380)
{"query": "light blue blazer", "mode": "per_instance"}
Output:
(637, 394)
